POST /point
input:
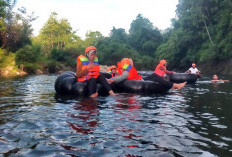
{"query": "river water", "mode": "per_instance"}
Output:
(34, 121)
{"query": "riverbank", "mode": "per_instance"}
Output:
(208, 68)
(12, 71)
(217, 67)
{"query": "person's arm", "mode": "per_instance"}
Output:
(166, 71)
(79, 72)
(131, 62)
(121, 78)
(189, 70)
(222, 81)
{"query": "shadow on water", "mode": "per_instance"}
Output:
(35, 121)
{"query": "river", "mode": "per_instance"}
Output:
(193, 122)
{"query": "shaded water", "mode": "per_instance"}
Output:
(34, 121)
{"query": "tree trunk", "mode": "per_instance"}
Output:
(51, 41)
(206, 27)
(63, 45)
(208, 33)
(4, 39)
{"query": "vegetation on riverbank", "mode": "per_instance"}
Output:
(200, 33)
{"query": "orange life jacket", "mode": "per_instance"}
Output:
(158, 71)
(133, 73)
(109, 70)
(114, 75)
(92, 73)
(161, 64)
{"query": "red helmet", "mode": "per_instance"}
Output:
(162, 62)
(90, 48)
(111, 67)
(125, 61)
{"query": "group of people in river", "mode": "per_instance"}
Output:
(88, 70)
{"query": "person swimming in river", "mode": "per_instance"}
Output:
(216, 80)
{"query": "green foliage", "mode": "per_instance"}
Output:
(29, 57)
(92, 38)
(118, 46)
(53, 66)
(145, 63)
(200, 33)
(2, 25)
(3, 5)
(168, 49)
(110, 52)
(57, 34)
(59, 55)
(31, 68)
(6, 59)
(143, 36)
(67, 56)
(119, 35)
(206, 53)
(15, 28)
(28, 54)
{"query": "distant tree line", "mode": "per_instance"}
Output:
(201, 32)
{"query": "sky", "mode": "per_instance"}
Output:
(100, 15)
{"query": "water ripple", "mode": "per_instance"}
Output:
(193, 122)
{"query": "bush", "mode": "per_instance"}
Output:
(6, 59)
(31, 68)
(72, 62)
(59, 55)
(144, 63)
(53, 66)
(68, 57)
(28, 54)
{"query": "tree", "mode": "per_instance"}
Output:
(15, 28)
(56, 34)
(6, 12)
(119, 35)
(92, 38)
(201, 32)
(143, 36)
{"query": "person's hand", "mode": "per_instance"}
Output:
(91, 65)
(110, 81)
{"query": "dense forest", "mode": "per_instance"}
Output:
(200, 33)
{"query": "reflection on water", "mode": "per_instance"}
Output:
(34, 121)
